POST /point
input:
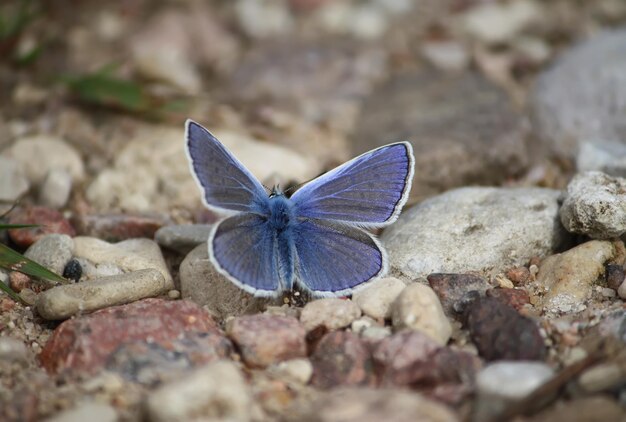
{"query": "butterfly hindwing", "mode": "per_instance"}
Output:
(369, 190)
(334, 258)
(244, 249)
(224, 181)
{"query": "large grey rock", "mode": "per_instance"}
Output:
(582, 98)
(474, 229)
(13, 182)
(217, 391)
(200, 282)
(463, 129)
(61, 302)
(595, 205)
(52, 251)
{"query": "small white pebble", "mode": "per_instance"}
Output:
(173, 294)
(606, 292)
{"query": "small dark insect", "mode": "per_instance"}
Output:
(73, 270)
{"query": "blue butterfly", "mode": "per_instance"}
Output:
(315, 238)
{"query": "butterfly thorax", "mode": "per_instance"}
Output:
(280, 212)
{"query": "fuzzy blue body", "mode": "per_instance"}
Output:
(281, 223)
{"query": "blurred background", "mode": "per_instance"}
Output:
(93, 95)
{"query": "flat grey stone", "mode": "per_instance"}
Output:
(53, 251)
(61, 302)
(183, 237)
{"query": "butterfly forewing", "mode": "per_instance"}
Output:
(369, 190)
(334, 258)
(224, 181)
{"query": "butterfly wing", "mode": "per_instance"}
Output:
(224, 181)
(369, 190)
(333, 258)
(242, 247)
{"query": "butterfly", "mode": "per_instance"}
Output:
(315, 239)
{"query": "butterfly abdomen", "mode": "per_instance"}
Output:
(281, 221)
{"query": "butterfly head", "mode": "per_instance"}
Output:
(276, 191)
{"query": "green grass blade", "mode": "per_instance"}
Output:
(14, 261)
(17, 226)
(6, 289)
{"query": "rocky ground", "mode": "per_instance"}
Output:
(505, 299)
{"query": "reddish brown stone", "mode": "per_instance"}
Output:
(518, 275)
(515, 298)
(6, 304)
(399, 356)
(117, 227)
(266, 339)
(149, 362)
(86, 342)
(341, 358)
(500, 332)
(451, 288)
(19, 281)
(49, 220)
(409, 358)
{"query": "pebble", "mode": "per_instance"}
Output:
(503, 383)
(615, 275)
(19, 281)
(332, 313)
(593, 408)
(62, 302)
(127, 256)
(443, 114)
(151, 172)
(518, 275)
(56, 188)
(85, 343)
(603, 377)
(183, 238)
(73, 270)
(262, 19)
(53, 251)
(341, 359)
(116, 227)
(201, 283)
(92, 411)
(501, 333)
(609, 158)
(470, 230)
(498, 23)
(48, 219)
(450, 288)
(375, 333)
(295, 370)
(446, 55)
(621, 292)
(59, 156)
(595, 205)
(173, 294)
(373, 405)
(567, 278)
(267, 339)
(13, 350)
(13, 183)
(153, 363)
(515, 298)
(376, 298)
(574, 102)
(418, 308)
(216, 391)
